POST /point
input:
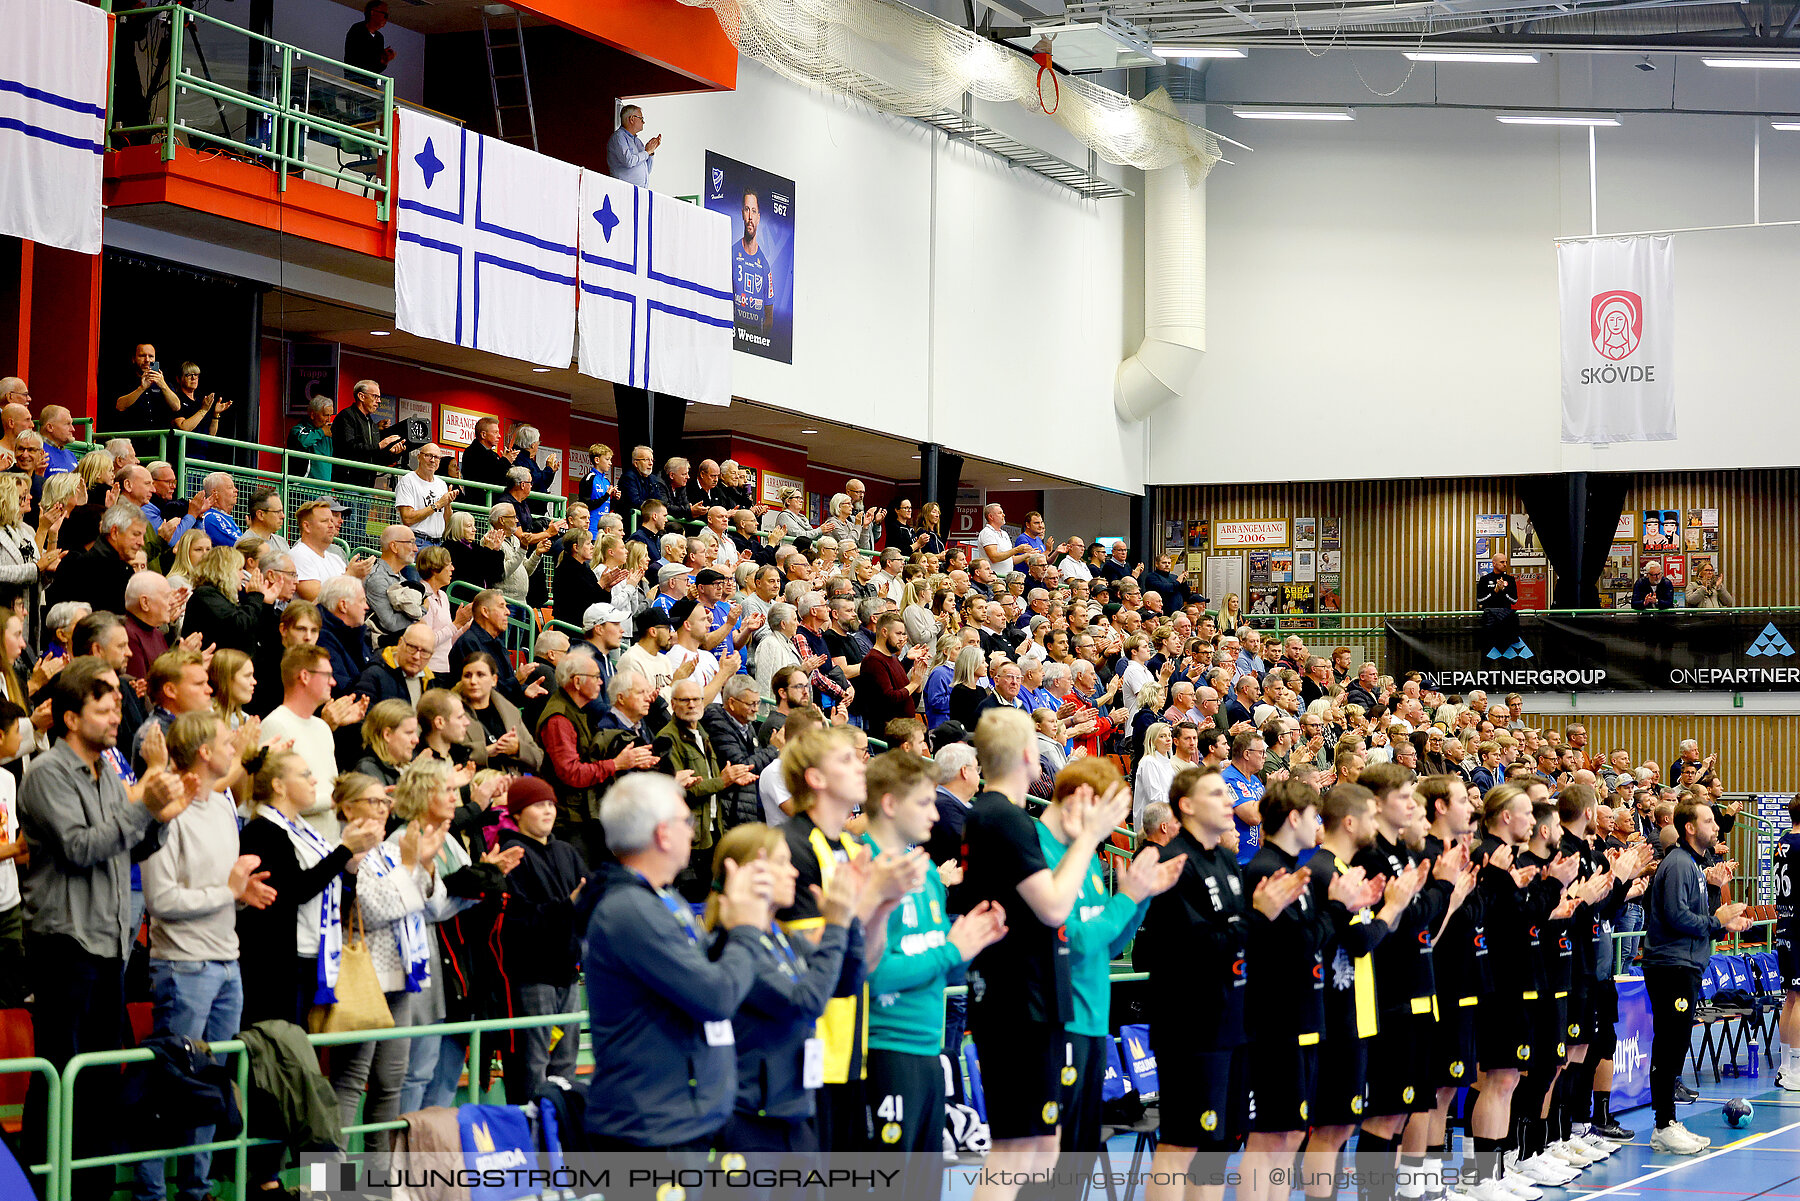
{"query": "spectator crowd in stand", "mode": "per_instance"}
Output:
(269, 752)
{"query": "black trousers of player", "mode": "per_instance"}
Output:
(690, 1157)
(904, 1100)
(1672, 997)
(1080, 1136)
(769, 1144)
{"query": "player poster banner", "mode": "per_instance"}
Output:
(761, 208)
(1691, 650)
(1617, 306)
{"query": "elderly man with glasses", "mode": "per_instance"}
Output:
(396, 594)
(400, 672)
(422, 499)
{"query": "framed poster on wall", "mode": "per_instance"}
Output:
(772, 485)
(456, 426)
(1244, 535)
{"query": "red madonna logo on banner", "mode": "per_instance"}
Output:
(1617, 323)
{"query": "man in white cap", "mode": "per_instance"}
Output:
(605, 626)
(672, 581)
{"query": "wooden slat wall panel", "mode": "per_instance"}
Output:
(1756, 753)
(1759, 525)
(1409, 544)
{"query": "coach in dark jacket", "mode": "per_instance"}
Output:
(660, 989)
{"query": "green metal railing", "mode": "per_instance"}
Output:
(284, 86)
(62, 1126)
(194, 456)
(37, 1066)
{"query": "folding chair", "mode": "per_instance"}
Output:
(1139, 1065)
(1710, 1014)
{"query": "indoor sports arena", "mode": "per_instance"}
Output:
(908, 600)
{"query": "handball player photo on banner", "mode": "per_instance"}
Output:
(761, 208)
(1618, 320)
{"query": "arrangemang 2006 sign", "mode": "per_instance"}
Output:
(1737, 650)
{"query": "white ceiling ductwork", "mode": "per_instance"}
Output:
(1174, 290)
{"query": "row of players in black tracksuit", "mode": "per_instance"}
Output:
(1434, 940)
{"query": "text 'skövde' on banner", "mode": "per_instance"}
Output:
(655, 291)
(1617, 310)
(52, 121)
(486, 246)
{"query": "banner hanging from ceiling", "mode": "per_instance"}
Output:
(1617, 310)
(52, 119)
(761, 208)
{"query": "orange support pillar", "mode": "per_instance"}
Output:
(64, 333)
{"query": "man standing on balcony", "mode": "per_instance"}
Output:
(364, 46)
(151, 400)
(356, 437)
(628, 156)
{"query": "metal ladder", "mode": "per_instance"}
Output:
(518, 82)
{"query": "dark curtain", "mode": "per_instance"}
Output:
(188, 314)
(939, 473)
(649, 419)
(1575, 515)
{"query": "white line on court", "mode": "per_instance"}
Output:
(1618, 1189)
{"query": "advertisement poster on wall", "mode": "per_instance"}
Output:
(1526, 547)
(761, 208)
(1662, 529)
(772, 484)
(1534, 586)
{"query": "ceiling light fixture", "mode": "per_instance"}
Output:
(809, 431)
(1200, 51)
(540, 370)
(1756, 63)
(380, 333)
(1586, 119)
(1786, 126)
(1015, 479)
(1470, 56)
(1295, 114)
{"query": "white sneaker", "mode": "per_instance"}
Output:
(1520, 1187)
(1546, 1168)
(1538, 1171)
(1488, 1190)
(1788, 1080)
(1674, 1139)
(1574, 1152)
(1597, 1145)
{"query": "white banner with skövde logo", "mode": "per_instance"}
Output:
(1618, 339)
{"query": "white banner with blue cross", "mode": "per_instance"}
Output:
(655, 291)
(485, 254)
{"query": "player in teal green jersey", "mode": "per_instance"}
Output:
(906, 1014)
(1100, 927)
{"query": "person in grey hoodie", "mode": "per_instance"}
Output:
(1678, 940)
(193, 886)
(661, 991)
